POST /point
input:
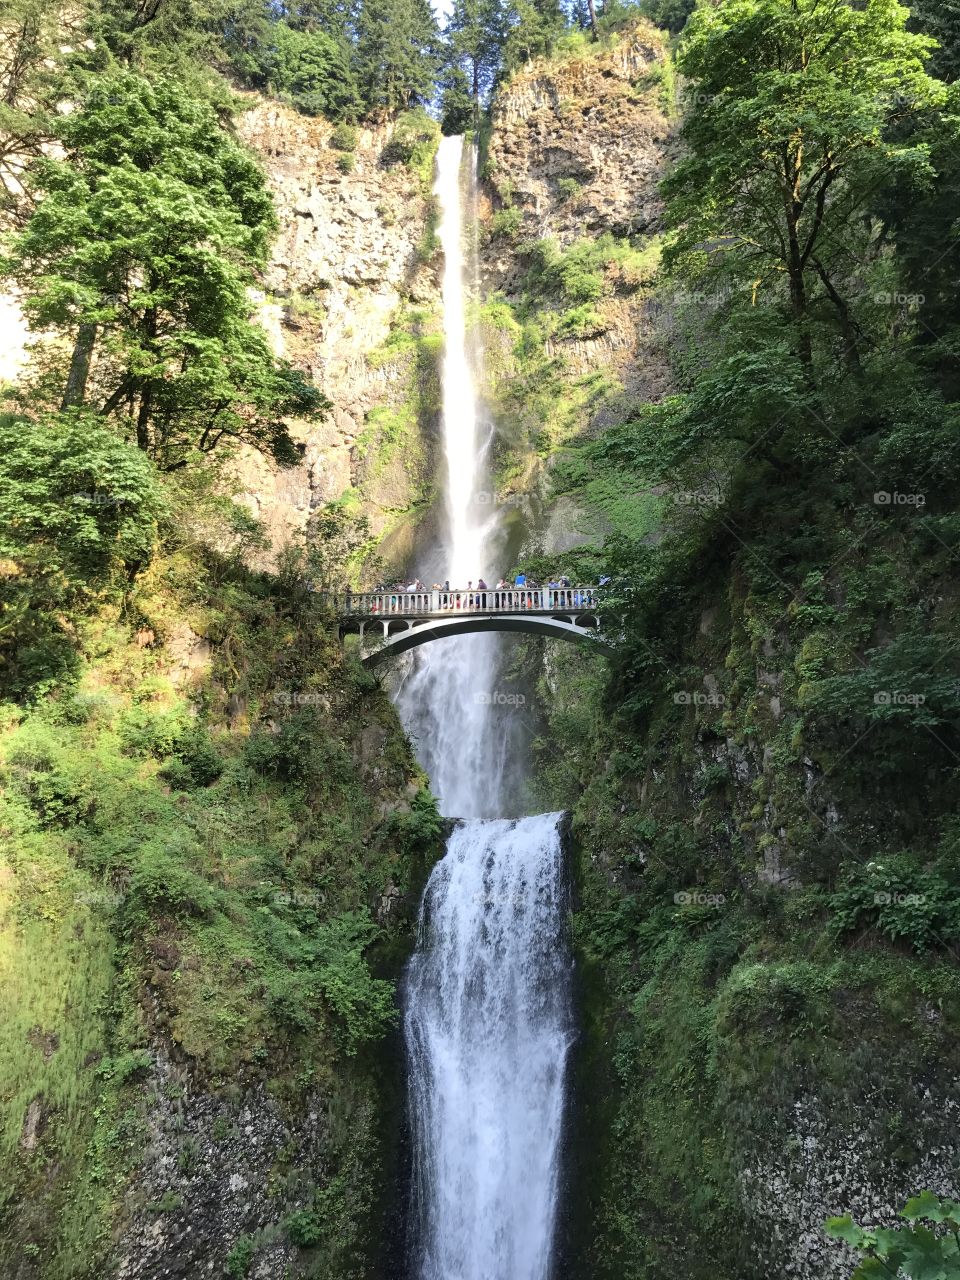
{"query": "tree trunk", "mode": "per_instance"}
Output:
(591, 6)
(143, 420)
(76, 388)
(848, 327)
(798, 290)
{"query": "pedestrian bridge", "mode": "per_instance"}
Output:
(391, 622)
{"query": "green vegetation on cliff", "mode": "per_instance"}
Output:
(764, 783)
(201, 823)
(213, 829)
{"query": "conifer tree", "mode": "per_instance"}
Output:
(475, 34)
(940, 19)
(141, 248)
(397, 54)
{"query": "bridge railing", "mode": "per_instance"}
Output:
(402, 603)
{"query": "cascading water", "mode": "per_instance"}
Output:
(487, 1022)
(446, 700)
(487, 1005)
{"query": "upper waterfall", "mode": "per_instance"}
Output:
(445, 701)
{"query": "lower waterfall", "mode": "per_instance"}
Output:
(487, 1017)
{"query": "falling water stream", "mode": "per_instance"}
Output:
(487, 1005)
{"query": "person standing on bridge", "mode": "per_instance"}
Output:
(481, 599)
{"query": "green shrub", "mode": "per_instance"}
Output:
(57, 798)
(305, 1229)
(414, 144)
(580, 322)
(569, 188)
(240, 1257)
(346, 162)
(928, 1246)
(78, 508)
(344, 137)
(506, 223)
(761, 996)
(162, 882)
(419, 829)
(195, 763)
(902, 900)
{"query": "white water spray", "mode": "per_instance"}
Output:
(487, 1007)
(487, 1022)
(447, 700)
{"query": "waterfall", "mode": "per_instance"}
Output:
(446, 700)
(486, 997)
(487, 1023)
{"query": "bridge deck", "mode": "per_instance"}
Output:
(545, 601)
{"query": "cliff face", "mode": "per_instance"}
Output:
(351, 268)
(571, 230)
(578, 145)
(199, 915)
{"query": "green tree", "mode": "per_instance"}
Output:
(532, 29)
(671, 14)
(927, 1248)
(791, 132)
(78, 511)
(474, 36)
(313, 69)
(940, 19)
(142, 247)
(397, 54)
(29, 32)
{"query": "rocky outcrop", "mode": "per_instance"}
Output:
(821, 1167)
(203, 1189)
(579, 145)
(353, 251)
(577, 150)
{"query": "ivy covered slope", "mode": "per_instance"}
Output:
(213, 830)
(764, 776)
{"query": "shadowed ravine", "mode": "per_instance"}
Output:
(487, 1006)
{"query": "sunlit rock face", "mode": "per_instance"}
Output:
(14, 335)
(580, 145)
(351, 261)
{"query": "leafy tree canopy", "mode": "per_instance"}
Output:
(792, 131)
(142, 247)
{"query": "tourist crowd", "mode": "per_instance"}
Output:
(525, 592)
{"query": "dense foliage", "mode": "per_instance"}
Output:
(928, 1246)
(764, 784)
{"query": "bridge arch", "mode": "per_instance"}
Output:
(419, 633)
